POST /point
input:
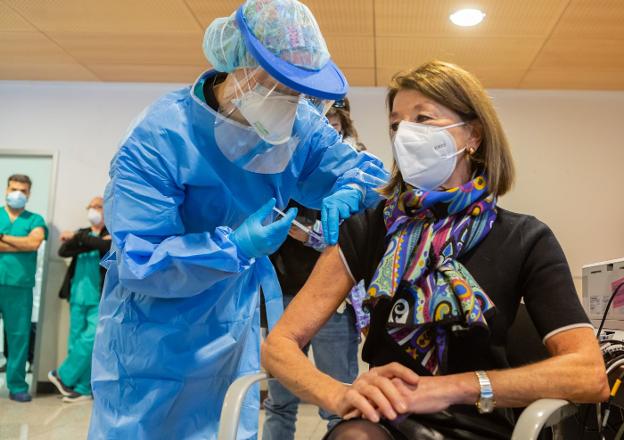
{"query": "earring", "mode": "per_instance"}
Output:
(471, 151)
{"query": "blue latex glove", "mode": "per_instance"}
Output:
(254, 240)
(339, 206)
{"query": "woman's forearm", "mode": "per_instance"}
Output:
(326, 288)
(555, 378)
(568, 377)
(285, 361)
(575, 372)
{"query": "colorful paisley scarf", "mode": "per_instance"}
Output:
(432, 292)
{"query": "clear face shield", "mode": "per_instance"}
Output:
(254, 99)
(252, 96)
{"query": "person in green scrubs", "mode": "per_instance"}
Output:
(82, 287)
(21, 234)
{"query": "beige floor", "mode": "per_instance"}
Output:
(50, 419)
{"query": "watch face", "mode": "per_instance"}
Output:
(486, 405)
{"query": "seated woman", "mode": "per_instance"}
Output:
(446, 269)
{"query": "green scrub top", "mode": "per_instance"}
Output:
(18, 268)
(86, 283)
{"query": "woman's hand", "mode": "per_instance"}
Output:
(374, 395)
(431, 395)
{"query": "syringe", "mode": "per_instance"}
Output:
(304, 228)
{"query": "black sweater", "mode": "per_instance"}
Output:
(520, 259)
(81, 242)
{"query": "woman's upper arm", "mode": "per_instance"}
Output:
(579, 340)
(326, 288)
(547, 285)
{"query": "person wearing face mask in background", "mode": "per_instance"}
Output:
(189, 208)
(21, 234)
(82, 287)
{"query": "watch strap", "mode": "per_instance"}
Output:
(485, 403)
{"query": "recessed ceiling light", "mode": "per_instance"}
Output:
(467, 17)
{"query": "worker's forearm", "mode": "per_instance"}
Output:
(5, 247)
(21, 244)
(285, 361)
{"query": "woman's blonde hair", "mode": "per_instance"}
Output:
(460, 91)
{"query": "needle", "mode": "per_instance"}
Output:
(305, 229)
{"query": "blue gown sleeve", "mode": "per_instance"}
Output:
(332, 165)
(155, 256)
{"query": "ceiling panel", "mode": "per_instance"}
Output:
(602, 19)
(31, 48)
(581, 54)
(529, 18)
(206, 11)
(360, 77)
(345, 17)
(109, 16)
(504, 53)
(157, 49)
(10, 20)
(528, 43)
(584, 78)
(49, 72)
(154, 73)
(498, 78)
(352, 51)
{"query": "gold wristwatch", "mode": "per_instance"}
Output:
(485, 403)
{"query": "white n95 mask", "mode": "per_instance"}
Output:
(425, 154)
(94, 216)
(272, 117)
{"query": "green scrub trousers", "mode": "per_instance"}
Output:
(16, 308)
(17, 279)
(75, 371)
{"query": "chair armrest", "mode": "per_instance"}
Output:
(541, 413)
(230, 412)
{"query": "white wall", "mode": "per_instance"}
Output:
(83, 122)
(567, 147)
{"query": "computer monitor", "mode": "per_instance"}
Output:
(597, 289)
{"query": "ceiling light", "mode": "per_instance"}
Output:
(467, 17)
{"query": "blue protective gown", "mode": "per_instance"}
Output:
(179, 316)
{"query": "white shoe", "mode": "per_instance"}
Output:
(78, 398)
(58, 383)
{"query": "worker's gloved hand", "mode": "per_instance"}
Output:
(339, 206)
(254, 240)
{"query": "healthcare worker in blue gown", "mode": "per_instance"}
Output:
(189, 206)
